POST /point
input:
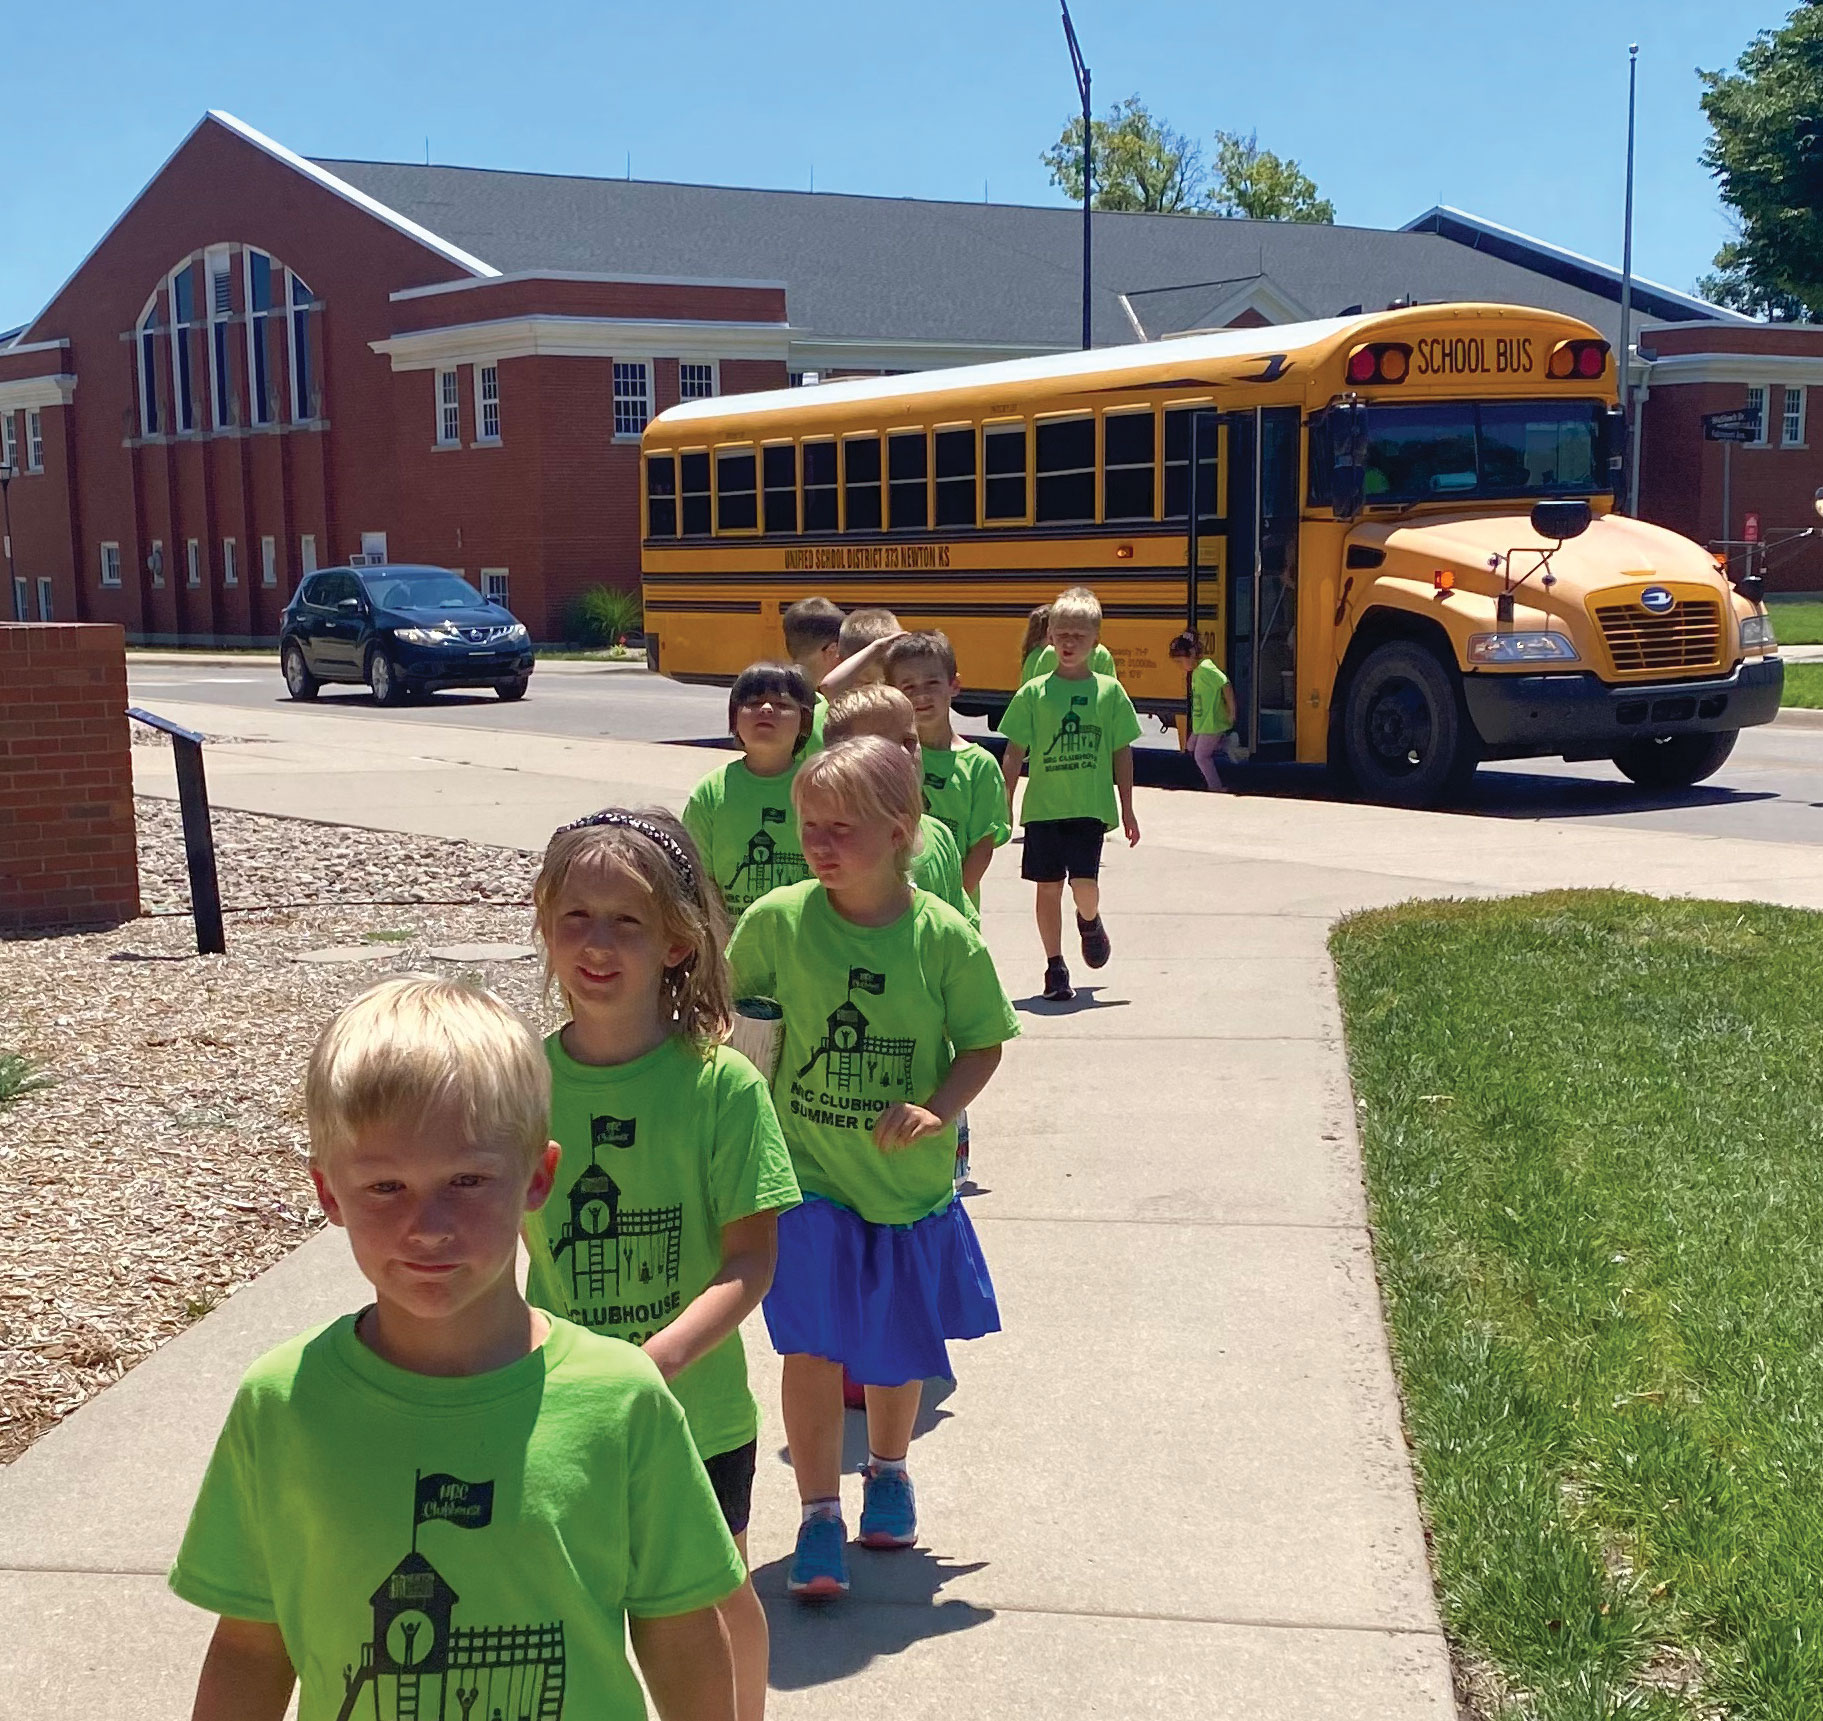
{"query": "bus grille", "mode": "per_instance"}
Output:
(1688, 638)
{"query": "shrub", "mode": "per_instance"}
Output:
(603, 615)
(19, 1076)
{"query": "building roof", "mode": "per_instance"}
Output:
(872, 270)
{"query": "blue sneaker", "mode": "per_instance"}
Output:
(889, 1509)
(819, 1569)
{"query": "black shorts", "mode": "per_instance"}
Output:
(731, 1476)
(1056, 849)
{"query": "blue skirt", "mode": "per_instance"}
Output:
(879, 1299)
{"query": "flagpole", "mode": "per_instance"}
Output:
(417, 1481)
(1626, 278)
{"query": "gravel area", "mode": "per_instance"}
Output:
(164, 1163)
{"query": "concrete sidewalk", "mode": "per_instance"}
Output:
(1176, 1484)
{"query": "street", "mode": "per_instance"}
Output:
(1771, 790)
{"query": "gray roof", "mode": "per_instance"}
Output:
(881, 269)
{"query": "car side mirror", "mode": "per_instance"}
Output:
(351, 605)
(1560, 520)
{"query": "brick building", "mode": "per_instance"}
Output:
(269, 364)
(1710, 491)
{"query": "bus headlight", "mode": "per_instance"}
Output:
(1757, 634)
(1521, 648)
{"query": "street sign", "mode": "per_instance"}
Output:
(1751, 531)
(1739, 426)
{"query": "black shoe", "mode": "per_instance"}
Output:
(1095, 946)
(1057, 987)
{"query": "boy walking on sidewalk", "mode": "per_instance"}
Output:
(1074, 731)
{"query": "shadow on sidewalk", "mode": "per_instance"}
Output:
(1087, 998)
(893, 1605)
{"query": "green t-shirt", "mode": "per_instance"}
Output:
(937, 867)
(1208, 716)
(746, 831)
(489, 1531)
(1071, 731)
(818, 718)
(1044, 659)
(873, 1015)
(658, 1155)
(964, 788)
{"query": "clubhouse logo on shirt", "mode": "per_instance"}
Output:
(766, 865)
(1076, 745)
(419, 1662)
(624, 1262)
(862, 1072)
(935, 783)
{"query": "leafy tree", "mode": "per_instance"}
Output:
(1140, 162)
(1254, 183)
(1733, 286)
(1766, 149)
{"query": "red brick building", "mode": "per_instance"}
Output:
(260, 370)
(1711, 491)
(269, 363)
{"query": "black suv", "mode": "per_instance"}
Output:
(401, 630)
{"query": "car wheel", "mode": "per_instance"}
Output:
(1676, 761)
(1406, 736)
(514, 689)
(383, 678)
(299, 682)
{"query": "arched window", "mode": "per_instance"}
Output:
(262, 406)
(146, 350)
(183, 320)
(304, 404)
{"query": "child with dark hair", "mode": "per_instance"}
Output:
(813, 631)
(740, 815)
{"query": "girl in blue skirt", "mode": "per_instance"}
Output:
(894, 1020)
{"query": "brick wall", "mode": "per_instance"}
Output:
(67, 851)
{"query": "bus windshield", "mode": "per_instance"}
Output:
(1474, 450)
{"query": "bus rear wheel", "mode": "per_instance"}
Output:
(1676, 761)
(1407, 740)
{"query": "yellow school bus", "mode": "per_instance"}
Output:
(1403, 549)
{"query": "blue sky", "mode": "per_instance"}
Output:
(1518, 114)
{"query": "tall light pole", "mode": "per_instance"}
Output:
(1088, 159)
(1626, 279)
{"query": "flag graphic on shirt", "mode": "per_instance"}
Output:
(447, 1499)
(866, 980)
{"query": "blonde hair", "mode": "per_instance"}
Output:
(1078, 605)
(871, 780)
(864, 626)
(873, 710)
(655, 850)
(407, 1048)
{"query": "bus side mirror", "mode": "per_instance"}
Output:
(1614, 439)
(1560, 520)
(1346, 422)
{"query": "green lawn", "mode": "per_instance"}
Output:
(1593, 1127)
(1803, 685)
(1797, 623)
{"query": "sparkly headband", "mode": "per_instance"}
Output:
(674, 850)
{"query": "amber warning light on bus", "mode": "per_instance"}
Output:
(1383, 361)
(1578, 358)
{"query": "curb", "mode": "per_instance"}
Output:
(1798, 717)
(260, 660)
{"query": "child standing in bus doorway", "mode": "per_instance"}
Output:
(1075, 730)
(813, 630)
(1211, 709)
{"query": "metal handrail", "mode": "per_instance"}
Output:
(199, 834)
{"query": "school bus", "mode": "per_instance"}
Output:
(1403, 548)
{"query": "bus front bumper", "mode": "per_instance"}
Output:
(1520, 715)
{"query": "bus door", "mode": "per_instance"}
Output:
(1262, 577)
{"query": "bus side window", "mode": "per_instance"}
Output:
(1129, 462)
(779, 471)
(1065, 449)
(861, 484)
(956, 477)
(907, 467)
(1003, 456)
(1177, 462)
(695, 493)
(661, 495)
(819, 486)
(736, 493)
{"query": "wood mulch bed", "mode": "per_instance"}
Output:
(163, 1165)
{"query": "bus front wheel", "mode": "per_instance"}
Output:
(1407, 739)
(1676, 761)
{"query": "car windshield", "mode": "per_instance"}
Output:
(432, 590)
(1476, 449)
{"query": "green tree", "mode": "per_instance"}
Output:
(1733, 286)
(1140, 162)
(1766, 149)
(1256, 184)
